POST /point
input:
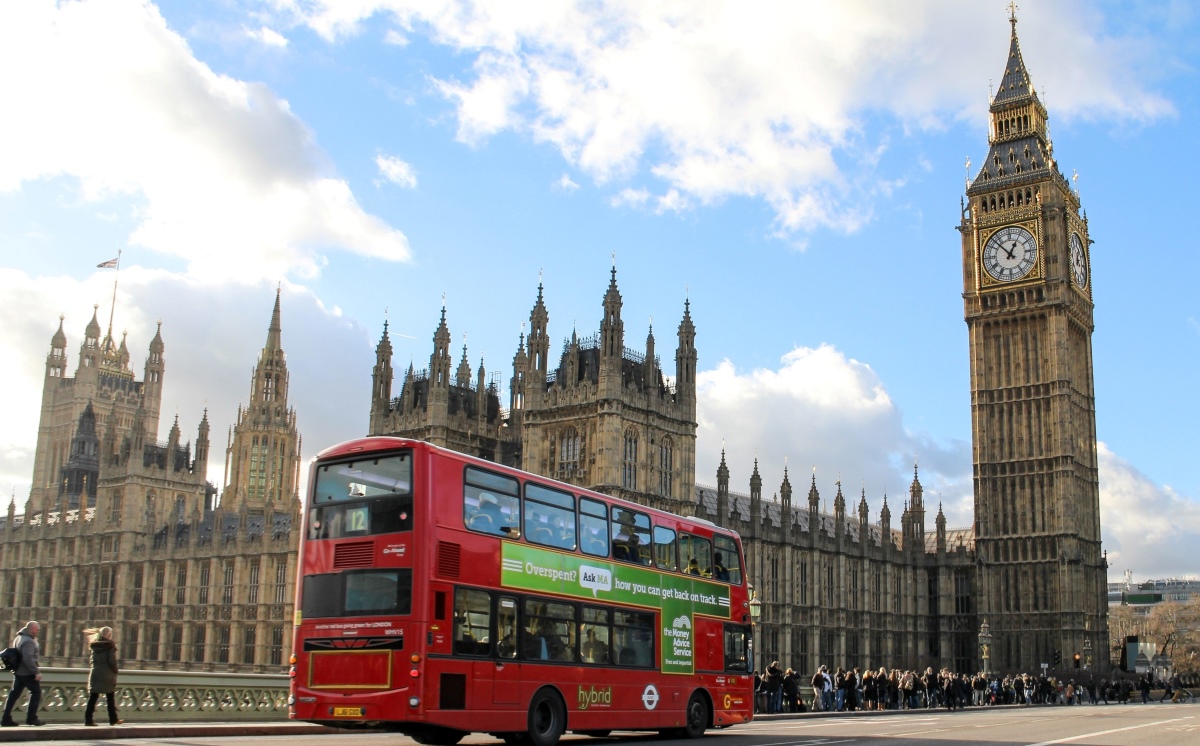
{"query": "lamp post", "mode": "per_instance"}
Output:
(985, 643)
(755, 613)
(1087, 653)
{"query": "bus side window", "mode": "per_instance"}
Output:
(727, 562)
(631, 536)
(737, 647)
(633, 633)
(697, 552)
(593, 527)
(664, 548)
(594, 634)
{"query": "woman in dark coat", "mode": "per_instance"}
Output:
(102, 679)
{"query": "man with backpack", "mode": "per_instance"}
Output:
(28, 675)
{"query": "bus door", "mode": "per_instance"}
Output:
(506, 672)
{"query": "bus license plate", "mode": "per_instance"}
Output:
(347, 712)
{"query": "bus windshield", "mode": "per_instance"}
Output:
(362, 497)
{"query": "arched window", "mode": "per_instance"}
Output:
(629, 457)
(666, 466)
(568, 451)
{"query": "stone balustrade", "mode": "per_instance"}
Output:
(158, 696)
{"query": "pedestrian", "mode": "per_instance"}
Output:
(102, 679)
(774, 682)
(27, 676)
(818, 686)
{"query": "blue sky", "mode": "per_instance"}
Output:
(792, 169)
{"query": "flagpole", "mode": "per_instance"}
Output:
(113, 307)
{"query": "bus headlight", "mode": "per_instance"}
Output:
(414, 701)
(291, 699)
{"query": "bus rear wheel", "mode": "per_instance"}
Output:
(547, 719)
(696, 716)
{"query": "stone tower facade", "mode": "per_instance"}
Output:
(262, 453)
(1027, 297)
(604, 417)
(104, 381)
(128, 533)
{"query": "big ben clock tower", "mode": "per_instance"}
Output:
(1027, 296)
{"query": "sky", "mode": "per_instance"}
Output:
(793, 170)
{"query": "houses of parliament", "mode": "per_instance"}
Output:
(125, 530)
(844, 588)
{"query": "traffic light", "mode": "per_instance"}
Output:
(1057, 658)
(1077, 660)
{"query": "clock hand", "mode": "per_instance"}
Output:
(1011, 252)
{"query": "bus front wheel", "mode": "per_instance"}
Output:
(696, 717)
(547, 718)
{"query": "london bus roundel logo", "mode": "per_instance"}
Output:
(650, 697)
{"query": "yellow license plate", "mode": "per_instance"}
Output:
(347, 712)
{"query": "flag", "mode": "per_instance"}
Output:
(110, 264)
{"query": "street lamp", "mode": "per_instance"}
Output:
(1087, 653)
(755, 612)
(755, 606)
(985, 643)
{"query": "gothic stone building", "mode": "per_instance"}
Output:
(605, 417)
(123, 530)
(836, 588)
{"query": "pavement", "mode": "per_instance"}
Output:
(80, 732)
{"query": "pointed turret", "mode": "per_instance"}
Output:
(612, 329)
(89, 351)
(785, 505)
(941, 530)
(539, 340)
(839, 510)
(723, 492)
(686, 360)
(439, 361)
(755, 501)
(516, 385)
(885, 523)
(648, 374)
(381, 383)
(56, 360)
(202, 445)
(154, 371)
(462, 376)
(123, 352)
(863, 512)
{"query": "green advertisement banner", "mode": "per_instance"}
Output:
(679, 598)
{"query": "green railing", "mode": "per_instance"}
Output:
(158, 696)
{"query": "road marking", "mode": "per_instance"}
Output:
(1106, 732)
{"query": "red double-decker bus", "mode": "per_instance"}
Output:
(441, 594)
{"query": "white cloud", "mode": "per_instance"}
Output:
(769, 100)
(396, 170)
(565, 184)
(672, 201)
(267, 37)
(1149, 528)
(213, 335)
(215, 170)
(822, 409)
(629, 196)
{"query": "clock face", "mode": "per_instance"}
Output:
(1010, 253)
(1078, 261)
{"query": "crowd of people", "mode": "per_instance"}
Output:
(779, 690)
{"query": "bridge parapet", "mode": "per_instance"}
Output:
(159, 696)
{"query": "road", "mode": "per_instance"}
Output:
(1114, 725)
